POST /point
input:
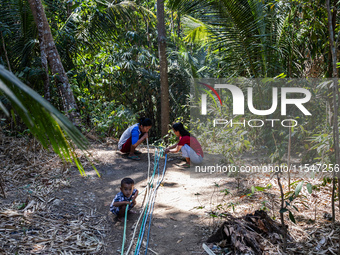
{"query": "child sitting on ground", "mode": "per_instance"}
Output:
(126, 197)
(188, 144)
(133, 136)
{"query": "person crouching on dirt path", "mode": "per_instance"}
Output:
(134, 136)
(188, 144)
(126, 197)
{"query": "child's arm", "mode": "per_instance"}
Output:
(171, 147)
(133, 198)
(146, 135)
(118, 204)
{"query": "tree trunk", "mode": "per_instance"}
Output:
(49, 52)
(165, 119)
(44, 63)
(5, 51)
(335, 105)
(46, 78)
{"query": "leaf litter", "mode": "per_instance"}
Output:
(36, 219)
(247, 231)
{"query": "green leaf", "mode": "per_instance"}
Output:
(283, 210)
(298, 188)
(291, 217)
(293, 183)
(45, 122)
(288, 194)
(22, 206)
(4, 108)
(252, 189)
(309, 188)
(260, 188)
(199, 207)
(225, 191)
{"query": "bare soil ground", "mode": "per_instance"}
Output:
(177, 228)
(50, 209)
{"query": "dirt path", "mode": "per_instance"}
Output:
(51, 210)
(178, 227)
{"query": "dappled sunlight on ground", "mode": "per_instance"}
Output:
(50, 207)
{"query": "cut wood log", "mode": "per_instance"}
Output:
(244, 235)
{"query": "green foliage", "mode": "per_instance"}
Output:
(298, 188)
(21, 206)
(293, 197)
(228, 142)
(47, 124)
(291, 217)
(232, 205)
(199, 207)
(225, 191)
(309, 188)
(263, 205)
(258, 188)
(109, 50)
(111, 120)
(247, 36)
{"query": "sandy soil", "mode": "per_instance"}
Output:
(51, 209)
(179, 224)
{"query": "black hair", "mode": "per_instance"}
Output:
(179, 127)
(127, 181)
(146, 122)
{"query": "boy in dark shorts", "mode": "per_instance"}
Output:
(126, 197)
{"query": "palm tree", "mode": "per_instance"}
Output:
(247, 35)
(50, 55)
(70, 39)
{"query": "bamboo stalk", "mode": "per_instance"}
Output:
(284, 229)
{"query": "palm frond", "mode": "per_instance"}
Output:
(187, 7)
(244, 34)
(22, 32)
(45, 122)
(196, 31)
(108, 18)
